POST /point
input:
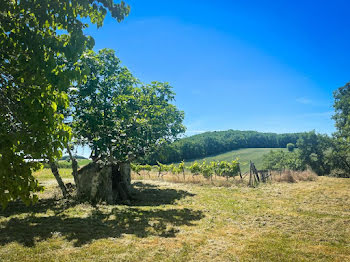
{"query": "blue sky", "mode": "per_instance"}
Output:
(249, 65)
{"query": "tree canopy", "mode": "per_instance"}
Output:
(340, 154)
(342, 111)
(280, 160)
(313, 148)
(40, 44)
(118, 116)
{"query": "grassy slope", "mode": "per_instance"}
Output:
(244, 155)
(83, 162)
(67, 164)
(306, 221)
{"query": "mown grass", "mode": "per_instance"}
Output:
(244, 155)
(46, 174)
(304, 221)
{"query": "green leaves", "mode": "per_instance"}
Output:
(342, 111)
(339, 155)
(195, 168)
(312, 148)
(54, 106)
(41, 43)
(119, 117)
(280, 160)
(16, 179)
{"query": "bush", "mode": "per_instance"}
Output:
(195, 169)
(339, 173)
(290, 147)
(280, 160)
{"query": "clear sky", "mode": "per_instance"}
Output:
(269, 66)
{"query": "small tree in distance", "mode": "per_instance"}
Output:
(313, 149)
(290, 147)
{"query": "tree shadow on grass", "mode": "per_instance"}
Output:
(102, 221)
(54, 204)
(144, 194)
(151, 195)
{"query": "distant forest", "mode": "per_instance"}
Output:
(217, 142)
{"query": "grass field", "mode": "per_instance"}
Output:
(68, 164)
(305, 221)
(244, 155)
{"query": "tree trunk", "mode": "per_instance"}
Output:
(54, 170)
(121, 181)
(74, 165)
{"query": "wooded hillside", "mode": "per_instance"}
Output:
(216, 142)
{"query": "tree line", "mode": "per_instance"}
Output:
(217, 142)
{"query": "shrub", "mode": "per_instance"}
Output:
(339, 173)
(195, 168)
(280, 160)
(207, 170)
(290, 147)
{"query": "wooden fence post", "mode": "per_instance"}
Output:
(250, 173)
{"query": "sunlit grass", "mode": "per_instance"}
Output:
(46, 174)
(303, 221)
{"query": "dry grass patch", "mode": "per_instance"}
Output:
(294, 176)
(217, 181)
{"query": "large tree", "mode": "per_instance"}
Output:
(312, 149)
(342, 111)
(120, 118)
(340, 154)
(40, 43)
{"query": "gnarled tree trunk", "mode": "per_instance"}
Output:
(109, 182)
